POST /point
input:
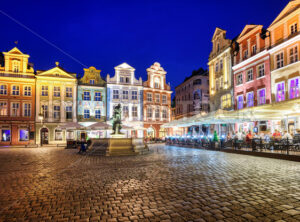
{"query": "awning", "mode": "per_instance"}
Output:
(100, 126)
(72, 125)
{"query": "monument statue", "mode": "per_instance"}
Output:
(117, 120)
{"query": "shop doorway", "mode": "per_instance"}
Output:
(44, 136)
(150, 132)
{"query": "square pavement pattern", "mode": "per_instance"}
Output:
(171, 184)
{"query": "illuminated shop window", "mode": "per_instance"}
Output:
(6, 135)
(280, 93)
(58, 135)
(24, 135)
(261, 96)
(250, 99)
(294, 88)
(240, 102)
(226, 101)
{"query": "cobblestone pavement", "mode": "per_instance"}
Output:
(171, 184)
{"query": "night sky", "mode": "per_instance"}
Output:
(105, 34)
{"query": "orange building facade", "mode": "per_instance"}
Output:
(156, 102)
(17, 99)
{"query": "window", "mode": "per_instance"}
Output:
(44, 90)
(3, 108)
(157, 98)
(280, 95)
(226, 101)
(164, 99)
(45, 111)
(134, 111)
(217, 67)
(68, 92)
(249, 75)
(125, 112)
(293, 28)
(15, 109)
(56, 91)
(261, 96)
(6, 135)
(86, 114)
(164, 114)
(121, 79)
(27, 110)
(56, 113)
(15, 90)
(149, 97)
(16, 66)
(197, 82)
(261, 70)
(253, 49)
(156, 83)
(279, 60)
(98, 96)
(218, 47)
(70, 135)
(239, 79)
(293, 54)
(115, 94)
(92, 81)
(125, 94)
(24, 135)
(240, 102)
(221, 64)
(246, 54)
(3, 89)
(86, 96)
(157, 113)
(27, 91)
(127, 80)
(134, 95)
(250, 99)
(294, 88)
(58, 134)
(69, 112)
(149, 112)
(97, 114)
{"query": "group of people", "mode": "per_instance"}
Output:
(266, 136)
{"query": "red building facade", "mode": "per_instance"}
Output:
(251, 70)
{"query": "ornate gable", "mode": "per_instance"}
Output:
(248, 29)
(219, 42)
(92, 76)
(57, 72)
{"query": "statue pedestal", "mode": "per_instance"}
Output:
(117, 136)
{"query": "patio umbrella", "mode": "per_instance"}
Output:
(100, 126)
(72, 125)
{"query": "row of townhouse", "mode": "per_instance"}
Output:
(258, 67)
(34, 105)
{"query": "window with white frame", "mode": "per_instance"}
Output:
(27, 109)
(134, 95)
(44, 91)
(294, 88)
(157, 98)
(58, 134)
(125, 112)
(157, 113)
(293, 54)
(250, 99)
(164, 99)
(45, 111)
(253, 49)
(69, 112)
(280, 92)
(261, 94)
(69, 93)
(27, 91)
(149, 97)
(15, 109)
(98, 96)
(98, 114)
(239, 79)
(240, 102)
(134, 111)
(121, 79)
(261, 70)
(23, 135)
(86, 114)
(149, 112)
(15, 90)
(164, 114)
(86, 95)
(221, 64)
(293, 28)
(156, 83)
(125, 94)
(3, 89)
(249, 75)
(115, 94)
(92, 82)
(56, 91)
(279, 60)
(3, 108)
(246, 54)
(16, 66)
(56, 113)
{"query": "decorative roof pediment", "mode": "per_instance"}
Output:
(291, 7)
(92, 74)
(217, 32)
(57, 72)
(248, 30)
(124, 66)
(15, 50)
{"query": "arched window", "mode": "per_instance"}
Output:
(156, 83)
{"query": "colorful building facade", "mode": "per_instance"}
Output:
(126, 90)
(91, 101)
(17, 99)
(56, 95)
(157, 102)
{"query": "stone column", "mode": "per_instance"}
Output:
(258, 42)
